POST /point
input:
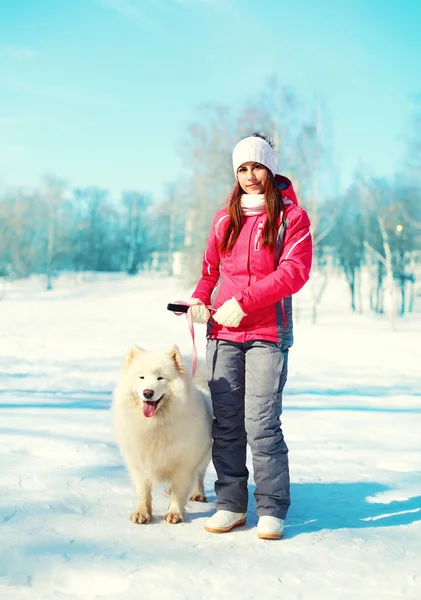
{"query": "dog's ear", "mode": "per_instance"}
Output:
(134, 351)
(175, 355)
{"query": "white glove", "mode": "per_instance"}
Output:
(199, 312)
(229, 314)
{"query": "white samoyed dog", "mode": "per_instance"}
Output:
(163, 428)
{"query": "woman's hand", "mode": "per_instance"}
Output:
(229, 314)
(199, 312)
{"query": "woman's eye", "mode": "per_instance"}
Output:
(159, 378)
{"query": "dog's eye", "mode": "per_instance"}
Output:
(159, 378)
(141, 377)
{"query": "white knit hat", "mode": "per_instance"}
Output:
(253, 149)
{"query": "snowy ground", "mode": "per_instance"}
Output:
(352, 419)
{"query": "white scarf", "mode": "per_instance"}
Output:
(253, 204)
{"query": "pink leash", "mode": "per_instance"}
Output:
(191, 328)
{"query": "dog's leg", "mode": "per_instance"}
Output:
(180, 487)
(198, 493)
(143, 487)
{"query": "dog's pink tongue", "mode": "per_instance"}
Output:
(149, 408)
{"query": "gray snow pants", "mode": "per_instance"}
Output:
(246, 382)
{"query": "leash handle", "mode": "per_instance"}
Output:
(177, 307)
(180, 307)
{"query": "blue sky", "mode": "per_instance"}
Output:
(100, 91)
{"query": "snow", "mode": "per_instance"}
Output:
(352, 420)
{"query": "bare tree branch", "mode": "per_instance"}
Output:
(318, 238)
(410, 220)
(374, 252)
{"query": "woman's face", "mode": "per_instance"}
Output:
(252, 177)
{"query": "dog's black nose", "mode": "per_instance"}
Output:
(148, 394)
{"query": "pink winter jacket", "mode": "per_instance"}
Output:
(261, 280)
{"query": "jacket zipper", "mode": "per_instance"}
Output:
(258, 235)
(284, 314)
(248, 272)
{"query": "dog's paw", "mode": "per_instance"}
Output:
(140, 517)
(198, 498)
(173, 518)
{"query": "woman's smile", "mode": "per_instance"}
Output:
(252, 177)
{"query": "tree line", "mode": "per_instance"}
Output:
(371, 231)
(53, 229)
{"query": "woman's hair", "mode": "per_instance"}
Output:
(273, 203)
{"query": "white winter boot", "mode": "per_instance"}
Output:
(225, 520)
(270, 528)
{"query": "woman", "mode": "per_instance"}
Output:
(258, 255)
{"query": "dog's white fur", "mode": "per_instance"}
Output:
(173, 443)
